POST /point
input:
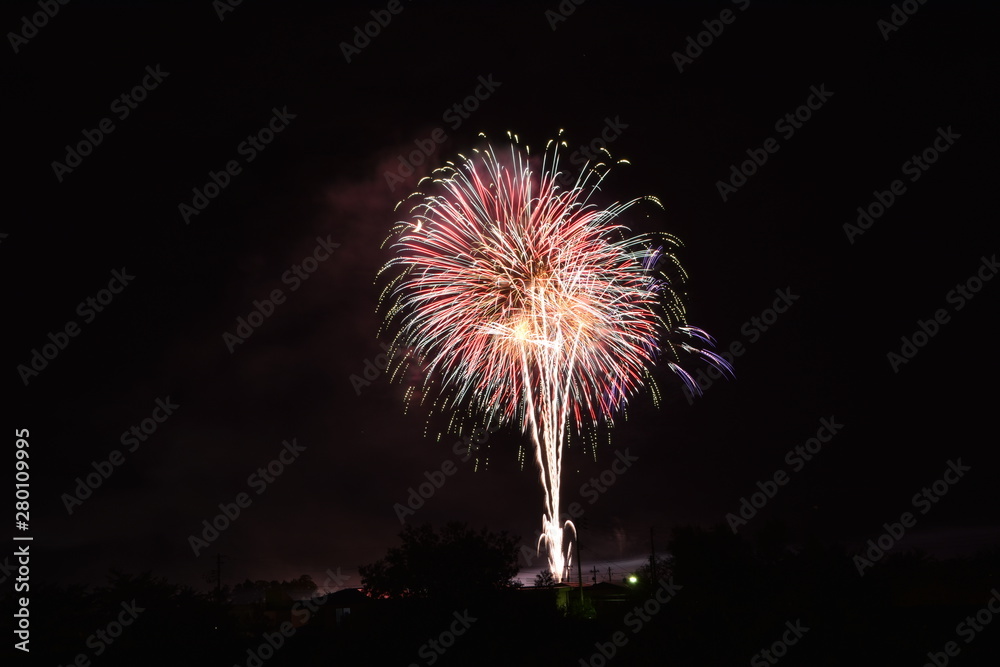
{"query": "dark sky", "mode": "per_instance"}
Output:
(323, 176)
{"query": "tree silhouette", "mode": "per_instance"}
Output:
(277, 593)
(544, 579)
(664, 568)
(457, 563)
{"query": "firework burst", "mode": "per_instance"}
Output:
(531, 305)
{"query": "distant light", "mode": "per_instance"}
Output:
(633, 579)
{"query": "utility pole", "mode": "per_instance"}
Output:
(609, 573)
(594, 573)
(652, 558)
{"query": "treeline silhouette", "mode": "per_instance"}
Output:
(448, 597)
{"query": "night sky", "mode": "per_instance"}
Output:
(213, 82)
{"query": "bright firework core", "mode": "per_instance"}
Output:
(533, 306)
